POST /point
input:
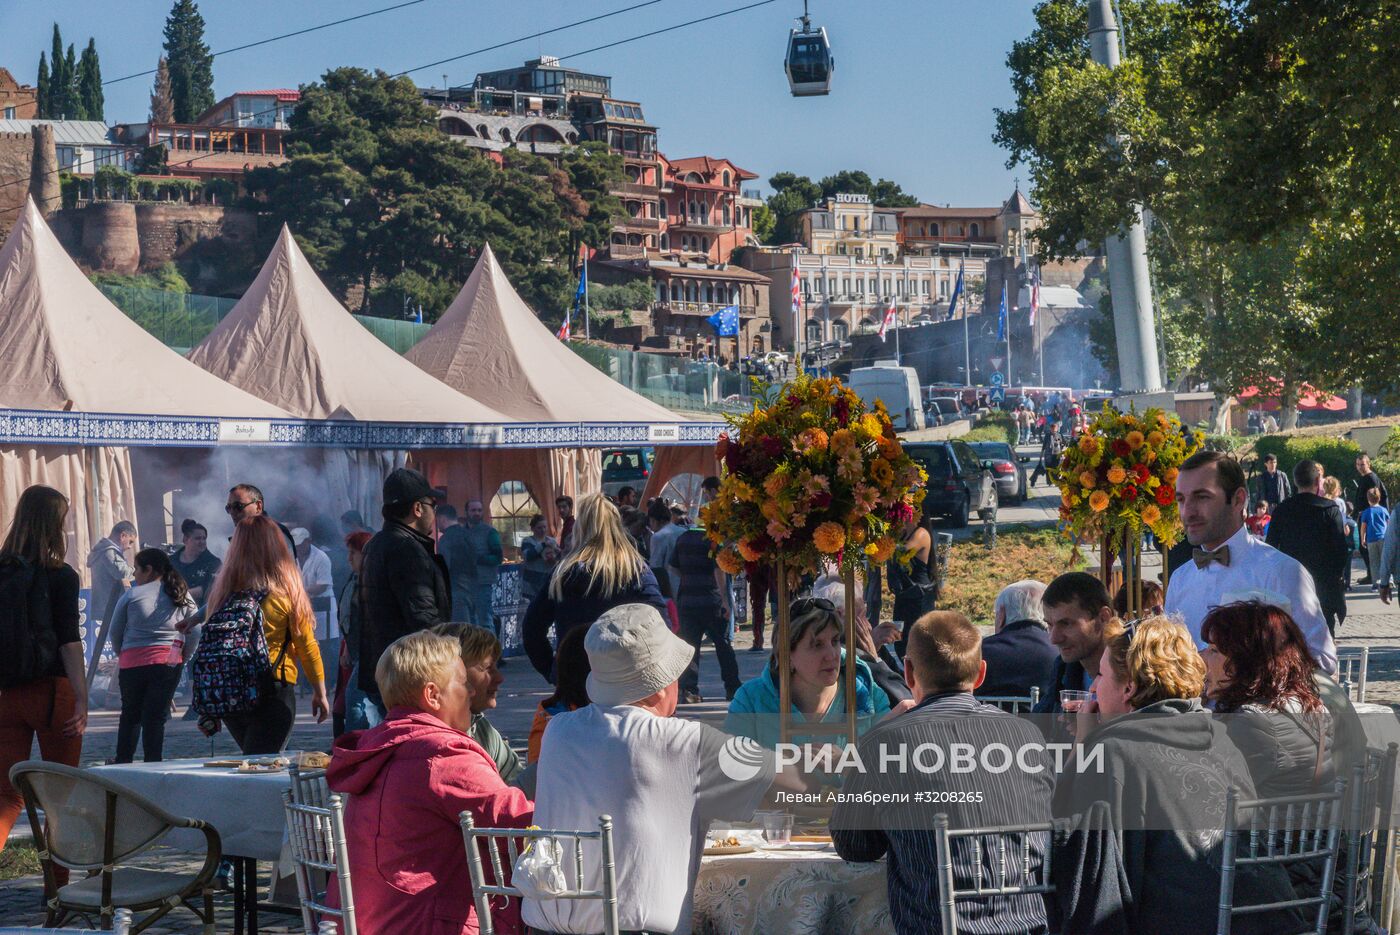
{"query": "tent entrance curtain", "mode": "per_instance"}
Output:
(673, 460)
(302, 487)
(97, 482)
(546, 473)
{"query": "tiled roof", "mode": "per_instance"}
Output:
(282, 94)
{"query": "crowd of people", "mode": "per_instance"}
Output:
(1225, 680)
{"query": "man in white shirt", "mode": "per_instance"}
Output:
(315, 567)
(660, 778)
(1226, 559)
(664, 534)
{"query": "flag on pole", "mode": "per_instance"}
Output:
(1001, 314)
(1035, 294)
(796, 286)
(419, 316)
(725, 321)
(563, 333)
(888, 321)
(957, 293)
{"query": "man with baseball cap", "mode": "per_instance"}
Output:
(403, 581)
(661, 779)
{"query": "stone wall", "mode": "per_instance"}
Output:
(16, 158)
(131, 237)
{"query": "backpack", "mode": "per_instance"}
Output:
(28, 641)
(231, 664)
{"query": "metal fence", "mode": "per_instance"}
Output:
(181, 320)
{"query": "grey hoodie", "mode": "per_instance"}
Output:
(109, 573)
(145, 616)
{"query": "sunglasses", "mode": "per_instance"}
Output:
(802, 605)
(236, 507)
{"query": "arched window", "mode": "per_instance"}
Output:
(483, 131)
(511, 510)
(933, 230)
(726, 177)
(705, 244)
(973, 230)
(505, 134)
(676, 292)
(840, 331)
(756, 346)
(814, 331)
(661, 292)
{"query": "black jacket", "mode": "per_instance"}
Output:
(1018, 657)
(403, 589)
(1364, 483)
(1274, 489)
(1310, 529)
(1066, 675)
(580, 606)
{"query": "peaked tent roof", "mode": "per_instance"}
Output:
(290, 342)
(63, 345)
(491, 346)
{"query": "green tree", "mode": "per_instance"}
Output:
(89, 84)
(60, 99)
(190, 62)
(41, 87)
(792, 194)
(764, 223)
(388, 207)
(72, 104)
(162, 103)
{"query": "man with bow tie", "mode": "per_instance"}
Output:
(1226, 559)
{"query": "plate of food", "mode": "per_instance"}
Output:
(266, 765)
(796, 845)
(719, 847)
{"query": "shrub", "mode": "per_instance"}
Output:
(1336, 455)
(1229, 443)
(1389, 472)
(995, 426)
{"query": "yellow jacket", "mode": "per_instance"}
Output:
(302, 650)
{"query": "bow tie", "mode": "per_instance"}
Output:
(1202, 558)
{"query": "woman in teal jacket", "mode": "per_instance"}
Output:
(817, 661)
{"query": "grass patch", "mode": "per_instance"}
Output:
(976, 576)
(19, 860)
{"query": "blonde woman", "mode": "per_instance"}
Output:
(602, 570)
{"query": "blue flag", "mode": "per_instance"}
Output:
(957, 293)
(725, 321)
(1001, 314)
(579, 293)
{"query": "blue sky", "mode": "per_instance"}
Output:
(916, 80)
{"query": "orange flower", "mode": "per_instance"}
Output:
(771, 509)
(773, 484)
(729, 562)
(1088, 444)
(881, 472)
(1116, 474)
(749, 553)
(1135, 439)
(857, 534)
(1151, 514)
(1170, 475)
(829, 538)
(1066, 499)
(883, 549)
(1098, 501)
(842, 439)
(1088, 479)
(813, 439)
(1155, 438)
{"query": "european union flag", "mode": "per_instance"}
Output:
(1001, 314)
(725, 321)
(957, 292)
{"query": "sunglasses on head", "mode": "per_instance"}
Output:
(802, 605)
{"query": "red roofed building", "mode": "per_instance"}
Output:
(705, 214)
(243, 131)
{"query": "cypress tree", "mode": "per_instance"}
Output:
(57, 82)
(72, 108)
(41, 91)
(162, 104)
(190, 62)
(90, 84)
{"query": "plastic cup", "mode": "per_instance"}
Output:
(777, 829)
(1072, 701)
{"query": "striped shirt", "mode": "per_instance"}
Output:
(904, 829)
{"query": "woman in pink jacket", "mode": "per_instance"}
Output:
(407, 780)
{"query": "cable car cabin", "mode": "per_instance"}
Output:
(809, 62)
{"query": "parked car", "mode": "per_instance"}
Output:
(625, 467)
(959, 482)
(1008, 469)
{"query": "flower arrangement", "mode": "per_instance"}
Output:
(811, 478)
(1120, 475)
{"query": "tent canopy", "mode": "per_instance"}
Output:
(492, 347)
(1268, 398)
(64, 346)
(290, 342)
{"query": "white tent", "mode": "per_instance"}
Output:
(64, 347)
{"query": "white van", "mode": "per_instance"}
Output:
(895, 386)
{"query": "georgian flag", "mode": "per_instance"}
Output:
(563, 333)
(888, 321)
(1035, 294)
(796, 286)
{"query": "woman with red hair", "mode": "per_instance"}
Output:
(1260, 676)
(259, 572)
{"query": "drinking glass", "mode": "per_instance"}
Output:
(1072, 701)
(777, 829)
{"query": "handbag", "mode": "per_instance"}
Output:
(268, 680)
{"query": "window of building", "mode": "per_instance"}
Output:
(887, 287)
(814, 331)
(9, 113)
(840, 331)
(856, 222)
(705, 244)
(846, 286)
(819, 283)
(726, 177)
(831, 286)
(933, 230)
(973, 230)
(923, 286)
(943, 288)
(511, 510)
(725, 214)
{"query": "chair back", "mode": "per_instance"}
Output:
(1352, 670)
(89, 822)
(492, 841)
(1005, 864)
(1279, 832)
(1015, 704)
(1370, 804)
(309, 787)
(316, 839)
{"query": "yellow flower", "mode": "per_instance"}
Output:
(771, 510)
(1088, 479)
(870, 424)
(1088, 444)
(857, 534)
(1098, 501)
(729, 562)
(881, 472)
(1116, 474)
(1135, 439)
(829, 538)
(884, 549)
(1151, 514)
(1155, 439)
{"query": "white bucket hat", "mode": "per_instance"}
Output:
(633, 655)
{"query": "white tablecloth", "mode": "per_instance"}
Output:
(790, 893)
(245, 808)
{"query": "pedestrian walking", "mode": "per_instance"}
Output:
(1367, 480)
(703, 603)
(1051, 448)
(1374, 523)
(110, 567)
(1310, 528)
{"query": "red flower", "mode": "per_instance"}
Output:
(1144, 474)
(1130, 493)
(1121, 448)
(841, 409)
(821, 500)
(771, 446)
(1166, 494)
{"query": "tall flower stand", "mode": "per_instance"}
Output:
(782, 646)
(1125, 544)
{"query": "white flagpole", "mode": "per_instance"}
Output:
(896, 333)
(586, 333)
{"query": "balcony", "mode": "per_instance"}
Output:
(702, 225)
(705, 309)
(642, 224)
(637, 190)
(619, 251)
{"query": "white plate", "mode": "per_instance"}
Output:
(799, 846)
